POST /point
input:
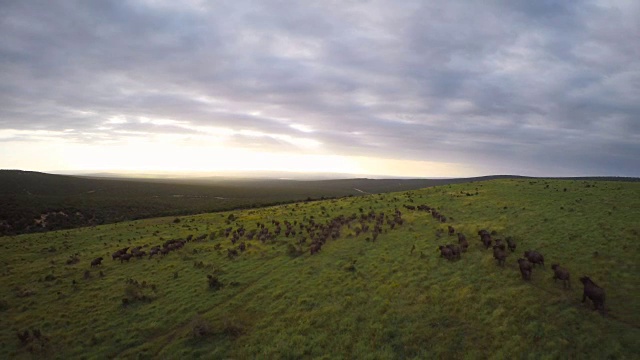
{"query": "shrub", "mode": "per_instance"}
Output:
(233, 328)
(35, 342)
(294, 251)
(134, 291)
(4, 305)
(23, 292)
(200, 328)
(214, 283)
(73, 259)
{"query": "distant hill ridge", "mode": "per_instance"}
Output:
(35, 201)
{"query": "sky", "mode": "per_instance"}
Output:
(395, 88)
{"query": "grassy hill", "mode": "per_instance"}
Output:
(360, 296)
(37, 202)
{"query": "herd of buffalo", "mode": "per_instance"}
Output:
(526, 264)
(316, 234)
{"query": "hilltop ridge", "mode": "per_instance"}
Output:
(36, 201)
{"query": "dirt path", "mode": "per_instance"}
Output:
(364, 192)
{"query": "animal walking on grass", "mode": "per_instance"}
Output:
(562, 274)
(594, 292)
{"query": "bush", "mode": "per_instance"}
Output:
(233, 328)
(214, 283)
(134, 291)
(35, 342)
(200, 328)
(73, 259)
(4, 305)
(22, 292)
(294, 251)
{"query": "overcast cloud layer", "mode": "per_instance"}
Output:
(528, 87)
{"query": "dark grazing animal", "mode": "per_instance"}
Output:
(462, 241)
(511, 243)
(154, 251)
(96, 262)
(231, 253)
(119, 253)
(534, 257)
(315, 247)
(24, 337)
(562, 274)
(446, 252)
(455, 251)
(499, 254)
(125, 257)
(525, 269)
(486, 240)
(451, 230)
(594, 292)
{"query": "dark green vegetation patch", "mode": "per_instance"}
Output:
(372, 290)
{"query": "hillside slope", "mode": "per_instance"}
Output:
(37, 202)
(360, 296)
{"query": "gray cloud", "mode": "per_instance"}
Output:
(530, 87)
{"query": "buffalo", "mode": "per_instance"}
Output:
(594, 292)
(119, 253)
(534, 257)
(446, 252)
(96, 262)
(499, 254)
(511, 243)
(231, 253)
(562, 274)
(315, 247)
(462, 241)
(525, 268)
(125, 257)
(455, 251)
(486, 240)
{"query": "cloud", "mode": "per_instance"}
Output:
(537, 88)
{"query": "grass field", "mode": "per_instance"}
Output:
(356, 298)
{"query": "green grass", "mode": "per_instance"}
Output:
(388, 304)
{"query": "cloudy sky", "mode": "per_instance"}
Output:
(401, 88)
